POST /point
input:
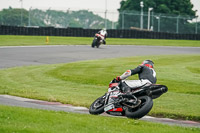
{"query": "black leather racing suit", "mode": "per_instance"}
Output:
(145, 72)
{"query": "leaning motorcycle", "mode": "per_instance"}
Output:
(135, 103)
(97, 41)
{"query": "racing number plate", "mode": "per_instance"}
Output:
(109, 107)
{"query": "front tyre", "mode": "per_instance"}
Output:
(97, 107)
(140, 111)
(94, 43)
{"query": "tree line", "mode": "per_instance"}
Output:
(174, 16)
(37, 17)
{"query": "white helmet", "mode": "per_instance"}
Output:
(104, 29)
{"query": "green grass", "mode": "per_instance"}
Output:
(24, 120)
(11, 40)
(80, 83)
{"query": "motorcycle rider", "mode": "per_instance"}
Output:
(146, 73)
(103, 34)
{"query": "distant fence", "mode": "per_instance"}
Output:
(80, 32)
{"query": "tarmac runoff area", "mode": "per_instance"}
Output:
(56, 106)
(13, 56)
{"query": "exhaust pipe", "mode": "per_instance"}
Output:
(160, 91)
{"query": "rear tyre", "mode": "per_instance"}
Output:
(98, 44)
(97, 107)
(141, 110)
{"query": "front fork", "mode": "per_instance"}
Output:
(107, 98)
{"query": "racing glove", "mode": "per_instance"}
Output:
(118, 78)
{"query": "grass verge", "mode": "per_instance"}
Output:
(24, 120)
(81, 83)
(11, 40)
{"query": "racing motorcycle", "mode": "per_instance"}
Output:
(97, 41)
(135, 103)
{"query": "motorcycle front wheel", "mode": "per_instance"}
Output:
(94, 43)
(97, 107)
(141, 110)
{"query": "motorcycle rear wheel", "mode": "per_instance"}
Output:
(141, 110)
(98, 44)
(97, 107)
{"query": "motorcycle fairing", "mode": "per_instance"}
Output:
(116, 110)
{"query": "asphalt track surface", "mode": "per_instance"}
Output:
(38, 55)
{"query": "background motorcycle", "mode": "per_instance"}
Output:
(97, 40)
(134, 104)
